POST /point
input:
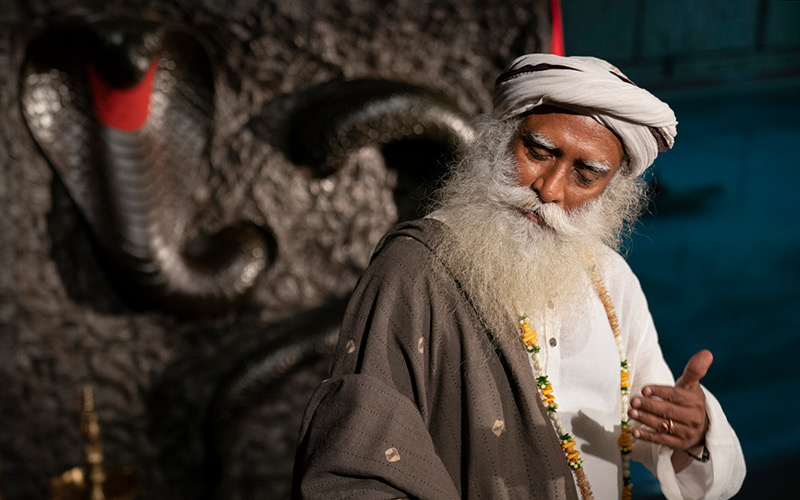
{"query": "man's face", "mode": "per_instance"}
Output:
(567, 159)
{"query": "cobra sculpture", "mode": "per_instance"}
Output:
(123, 112)
(340, 117)
(332, 122)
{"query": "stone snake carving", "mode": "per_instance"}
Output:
(290, 347)
(123, 112)
(334, 120)
(131, 172)
(340, 117)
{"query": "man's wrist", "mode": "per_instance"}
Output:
(698, 452)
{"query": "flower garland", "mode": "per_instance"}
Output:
(567, 440)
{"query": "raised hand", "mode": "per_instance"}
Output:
(676, 414)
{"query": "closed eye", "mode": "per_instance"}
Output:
(538, 147)
(586, 177)
(590, 171)
(536, 155)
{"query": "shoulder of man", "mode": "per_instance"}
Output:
(401, 319)
(613, 264)
(416, 232)
(396, 294)
(405, 254)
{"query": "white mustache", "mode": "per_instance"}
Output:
(526, 200)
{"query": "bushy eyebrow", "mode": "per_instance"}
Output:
(538, 140)
(535, 139)
(599, 167)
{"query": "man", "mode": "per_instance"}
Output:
(500, 347)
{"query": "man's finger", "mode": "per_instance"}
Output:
(696, 368)
(658, 437)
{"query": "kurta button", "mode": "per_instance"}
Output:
(553, 342)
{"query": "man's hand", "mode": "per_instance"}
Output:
(677, 414)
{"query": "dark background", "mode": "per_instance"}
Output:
(717, 256)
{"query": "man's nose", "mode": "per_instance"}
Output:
(550, 184)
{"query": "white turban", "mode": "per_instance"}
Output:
(592, 87)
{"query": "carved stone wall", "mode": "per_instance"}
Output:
(65, 323)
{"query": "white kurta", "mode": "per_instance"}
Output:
(583, 367)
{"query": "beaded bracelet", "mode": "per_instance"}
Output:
(702, 458)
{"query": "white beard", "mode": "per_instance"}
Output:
(505, 261)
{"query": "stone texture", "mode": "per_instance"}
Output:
(64, 324)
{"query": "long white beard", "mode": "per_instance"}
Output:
(504, 260)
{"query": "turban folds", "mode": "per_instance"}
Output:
(592, 87)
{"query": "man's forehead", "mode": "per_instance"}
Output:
(547, 109)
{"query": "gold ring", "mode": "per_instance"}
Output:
(667, 426)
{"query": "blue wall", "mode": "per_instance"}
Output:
(688, 43)
(719, 256)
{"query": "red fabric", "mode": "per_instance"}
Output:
(557, 29)
(122, 109)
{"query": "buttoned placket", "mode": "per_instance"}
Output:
(548, 326)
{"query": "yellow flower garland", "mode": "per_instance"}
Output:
(530, 338)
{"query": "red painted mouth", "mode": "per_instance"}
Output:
(122, 109)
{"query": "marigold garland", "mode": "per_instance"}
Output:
(624, 441)
(530, 339)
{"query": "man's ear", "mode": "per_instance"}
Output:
(625, 166)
